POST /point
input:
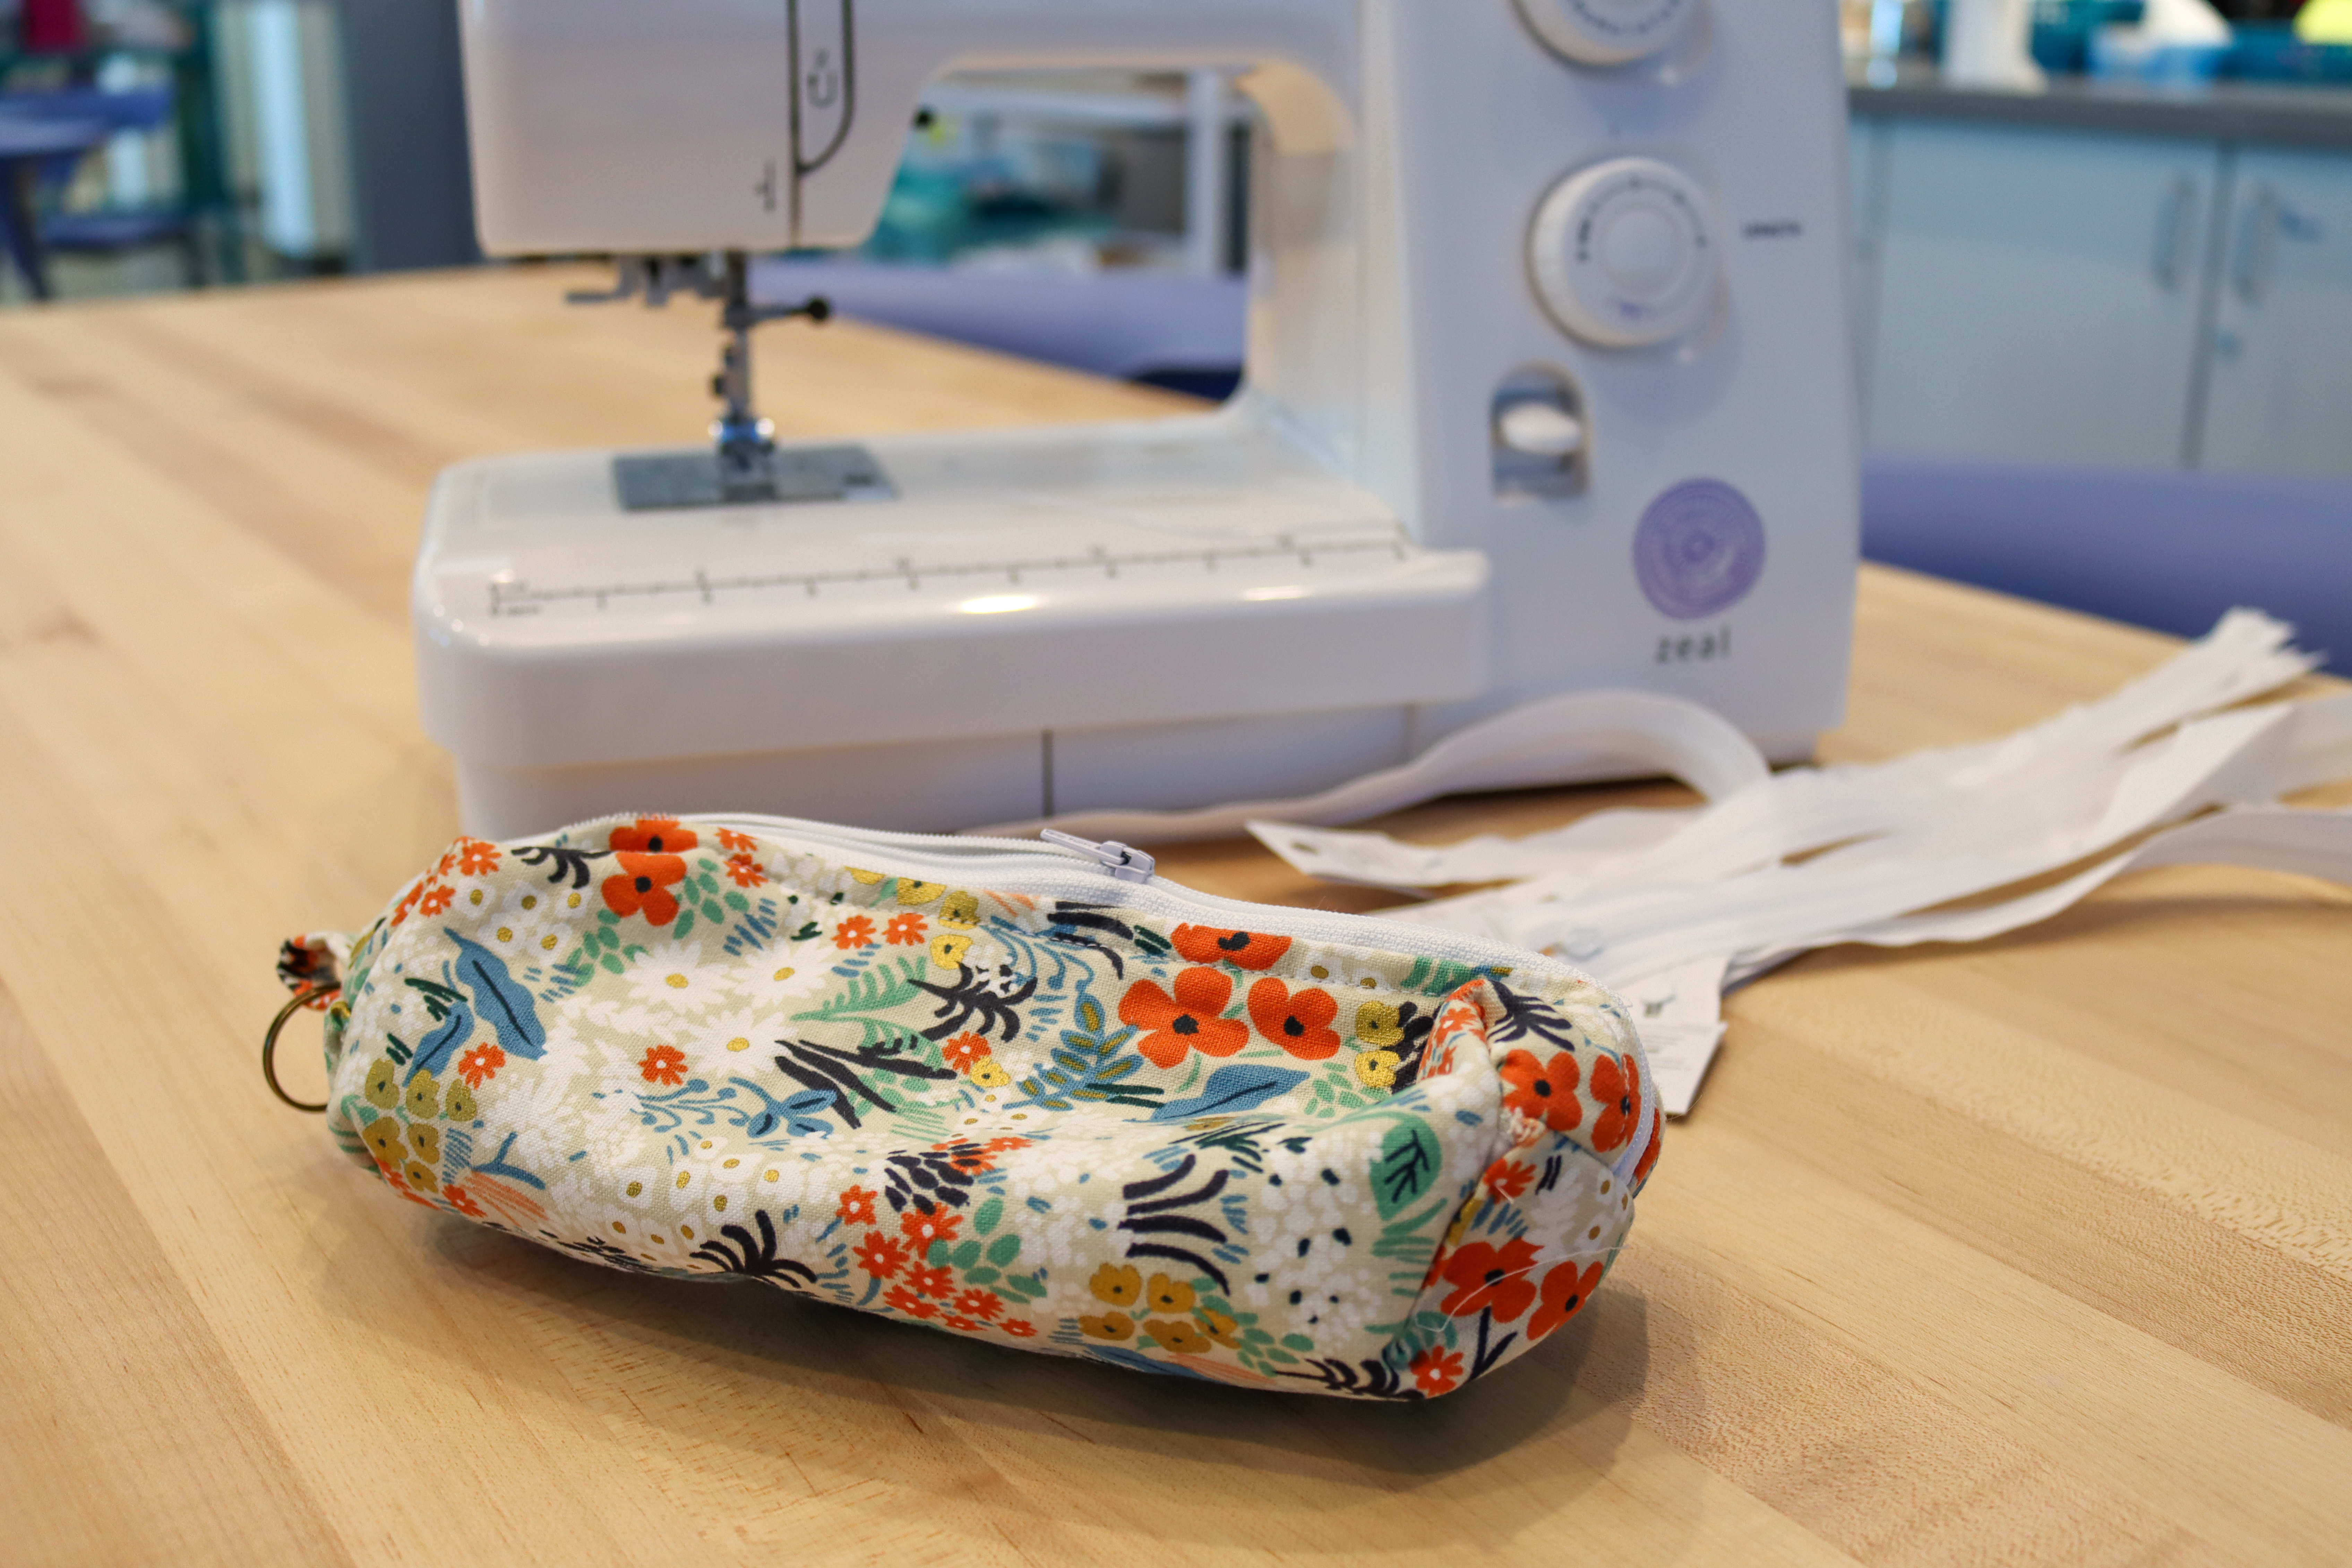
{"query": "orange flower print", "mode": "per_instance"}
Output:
(857, 1208)
(853, 933)
(909, 929)
(1004, 1145)
(1437, 1369)
(643, 886)
(879, 1256)
(1019, 1328)
(1649, 1160)
(400, 910)
(480, 1065)
(932, 1281)
(1243, 949)
(437, 900)
(741, 843)
(925, 1223)
(980, 1304)
(744, 871)
(1565, 1292)
(476, 857)
(1492, 1278)
(664, 1065)
(654, 835)
(965, 1050)
(902, 1299)
(1543, 1091)
(1617, 1085)
(968, 1158)
(1298, 1021)
(461, 1200)
(962, 1324)
(1186, 1021)
(1510, 1179)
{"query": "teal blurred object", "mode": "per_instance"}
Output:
(2268, 51)
(939, 210)
(2063, 30)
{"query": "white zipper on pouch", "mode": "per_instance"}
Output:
(1080, 868)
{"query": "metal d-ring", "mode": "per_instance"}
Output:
(299, 1000)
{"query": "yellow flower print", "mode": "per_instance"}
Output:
(1461, 1228)
(1377, 1069)
(1220, 1328)
(990, 1073)
(949, 947)
(424, 1097)
(420, 1175)
(1110, 1326)
(960, 908)
(915, 894)
(382, 1138)
(383, 1084)
(1167, 1295)
(459, 1105)
(426, 1141)
(1377, 1024)
(1116, 1284)
(868, 877)
(1181, 1337)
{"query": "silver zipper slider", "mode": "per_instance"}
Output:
(1122, 861)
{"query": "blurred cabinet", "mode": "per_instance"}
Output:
(2278, 393)
(2035, 294)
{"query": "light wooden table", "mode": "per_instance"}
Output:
(2036, 1252)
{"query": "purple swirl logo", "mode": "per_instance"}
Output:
(1699, 549)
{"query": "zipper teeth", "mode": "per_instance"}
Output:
(962, 856)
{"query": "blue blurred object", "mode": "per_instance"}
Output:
(2123, 56)
(29, 147)
(107, 112)
(2168, 549)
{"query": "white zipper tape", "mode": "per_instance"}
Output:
(1580, 735)
(1650, 899)
(1805, 809)
(2299, 842)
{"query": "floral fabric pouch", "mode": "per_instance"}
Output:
(1027, 1093)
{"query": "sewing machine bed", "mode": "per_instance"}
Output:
(1146, 578)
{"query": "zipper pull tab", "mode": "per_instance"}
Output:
(1126, 864)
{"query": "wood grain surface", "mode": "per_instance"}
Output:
(2035, 1252)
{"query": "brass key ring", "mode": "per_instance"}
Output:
(300, 1000)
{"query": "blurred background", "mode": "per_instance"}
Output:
(2103, 295)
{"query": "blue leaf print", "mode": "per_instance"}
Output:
(506, 1005)
(1241, 1087)
(432, 1052)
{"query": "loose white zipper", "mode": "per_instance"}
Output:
(1026, 866)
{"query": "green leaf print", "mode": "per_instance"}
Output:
(1408, 1161)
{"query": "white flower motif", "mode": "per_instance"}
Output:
(673, 975)
(518, 928)
(785, 977)
(743, 1038)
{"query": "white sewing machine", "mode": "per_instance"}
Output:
(1549, 386)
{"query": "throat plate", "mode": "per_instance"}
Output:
(673, 482)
